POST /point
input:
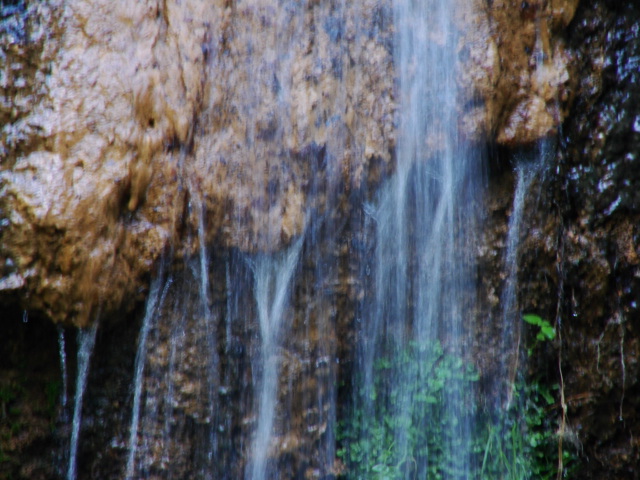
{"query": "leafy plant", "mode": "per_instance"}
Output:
(418, 419)
(546, 332)
(521, 443)
(411, 427)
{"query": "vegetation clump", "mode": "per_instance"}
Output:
(418, 417)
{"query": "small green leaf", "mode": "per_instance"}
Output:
(548, 331)
(547, 396)
(532, 319)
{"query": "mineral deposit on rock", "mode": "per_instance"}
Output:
(130, 126)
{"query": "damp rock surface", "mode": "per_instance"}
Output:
(517, 74)
(128, 124)
(124, 126)
(128, 131)
(30, 389)
(580, 261)
(600, 241)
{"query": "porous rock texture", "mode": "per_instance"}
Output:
(592, 231)
(125, 124)
(129, 130)
(578, 262)
(516, 74)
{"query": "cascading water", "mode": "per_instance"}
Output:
(86, 342)
(176, 362)
(63, 368)
(413, 332)
(526, 171)
(273, 275)
(222, 366)
(156, 298)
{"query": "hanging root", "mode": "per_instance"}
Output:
(624, 370)
(563, 405)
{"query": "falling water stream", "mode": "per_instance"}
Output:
(527, 170)
(273, 275)
(424, 223)
(196, 380)
(86, 342)
(156, 298)
(63, 368)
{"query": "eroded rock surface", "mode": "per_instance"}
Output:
(241, 117)
(127, 129)
(580, 256)
(124, 123)
(516, 71)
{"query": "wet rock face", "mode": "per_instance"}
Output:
(240, 118)
(517, 76)
(299, 102)
(124, 124)
(72, 238)
(201, 387)
(601, 239)
(593, 267)
(30, 387)
(24, 32)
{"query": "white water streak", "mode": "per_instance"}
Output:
(526, 171)
(425, 216)
(156, 298)
(63, 367)
(272, 279)
(86, 342)
(207, 318)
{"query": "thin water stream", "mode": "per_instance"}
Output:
(272, 288)
(156, 297)
(527, 170)
(63, 368)
(86, 342)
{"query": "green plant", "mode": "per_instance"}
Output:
(521, 443)
(418, 419)
(409, 422)
(545, 333)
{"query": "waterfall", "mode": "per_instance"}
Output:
(415, 328)
(176, 372)
(86, 342)
(526, 171)
(63, 367)
(222, 362)
(273, 274)
(156, 298)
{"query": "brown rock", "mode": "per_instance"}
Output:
(250, 113)
(237, 119)
(517, 80)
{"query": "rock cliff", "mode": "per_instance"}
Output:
(123, 125)
(132, 132)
